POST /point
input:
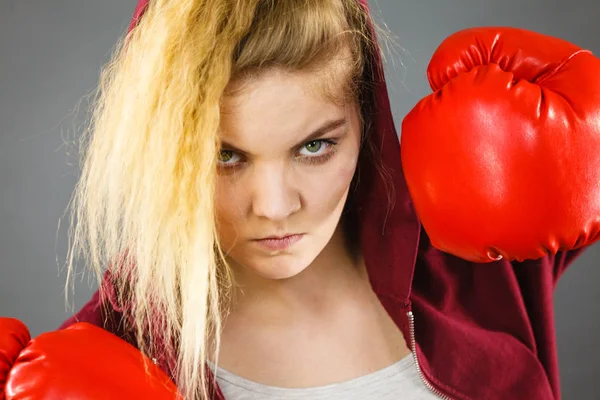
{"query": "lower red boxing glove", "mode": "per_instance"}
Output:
(503, 159)
(14, 336)
(80, 362)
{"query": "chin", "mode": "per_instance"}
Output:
(279, 266)
(275, 265)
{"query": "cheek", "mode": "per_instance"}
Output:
(229, 207)
(328, 190)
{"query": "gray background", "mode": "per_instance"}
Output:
(50, 55)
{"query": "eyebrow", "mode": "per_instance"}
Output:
(326, 128)
(321, 131)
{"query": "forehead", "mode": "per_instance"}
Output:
(276, 105)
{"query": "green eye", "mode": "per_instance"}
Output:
(314, 146)
(225, 155)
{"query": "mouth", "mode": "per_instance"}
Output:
(279, 242)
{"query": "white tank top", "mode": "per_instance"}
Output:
(398, 381)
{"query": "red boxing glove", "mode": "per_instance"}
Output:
(503, 159)
(14, 336)
(80, 362)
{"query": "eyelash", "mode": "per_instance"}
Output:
(312, 160)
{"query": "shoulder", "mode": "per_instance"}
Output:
(101, 311)
(512, 275)
(91, 312)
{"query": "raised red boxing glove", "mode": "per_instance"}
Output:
(503, 159)
(80, 362)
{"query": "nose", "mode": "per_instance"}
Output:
(274, 196)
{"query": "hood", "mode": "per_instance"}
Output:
(389, 227)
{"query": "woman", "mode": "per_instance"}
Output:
(244, 187)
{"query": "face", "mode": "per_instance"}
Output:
(287, 160)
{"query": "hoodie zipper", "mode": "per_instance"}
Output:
(428, 385)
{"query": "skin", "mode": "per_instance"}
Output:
(304, 316)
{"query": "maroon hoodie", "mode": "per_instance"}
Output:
(477, 331)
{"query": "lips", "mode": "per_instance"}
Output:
(279, 242)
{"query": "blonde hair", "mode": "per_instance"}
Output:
(143, 208)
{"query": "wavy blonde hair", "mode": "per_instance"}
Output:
(143, 208)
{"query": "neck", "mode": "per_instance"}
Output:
(333, 274)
